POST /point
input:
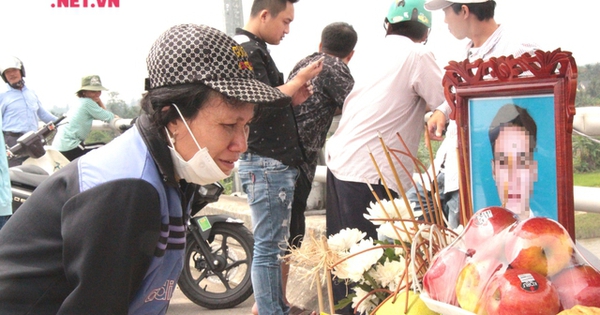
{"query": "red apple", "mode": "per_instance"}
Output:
(472, 280)
(578, 285)
(519, 291)
(539, 244)
(444, 270)
(486, 223)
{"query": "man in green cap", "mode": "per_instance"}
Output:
(398, 83)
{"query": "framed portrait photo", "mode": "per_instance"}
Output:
(514, 119)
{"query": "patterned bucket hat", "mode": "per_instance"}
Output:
(189, 53)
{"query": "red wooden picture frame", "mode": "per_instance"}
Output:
(545, 75)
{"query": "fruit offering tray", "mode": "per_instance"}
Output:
(501, 264)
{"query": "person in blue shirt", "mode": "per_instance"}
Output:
(5, 192)
(20, 106)
(70, 137)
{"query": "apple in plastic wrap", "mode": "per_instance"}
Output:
(520, 292)
(539, 244)
(486, 223)
(473, 278)
(442, 272)
(578, 285)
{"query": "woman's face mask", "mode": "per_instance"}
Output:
(201, 169)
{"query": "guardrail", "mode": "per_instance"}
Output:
(586, 121)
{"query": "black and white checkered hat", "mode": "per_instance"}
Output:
(189, 53)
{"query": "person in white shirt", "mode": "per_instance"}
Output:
(392, 92)
(472, 19)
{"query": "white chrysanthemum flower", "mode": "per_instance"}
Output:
(389, 275)
(345, 239)
(389, 229)
(365, 306)
(376, 212)
(399, 251)
(354, 267)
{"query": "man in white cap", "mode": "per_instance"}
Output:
(19, 105)
(472, 19)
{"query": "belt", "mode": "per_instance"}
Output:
(13, 134)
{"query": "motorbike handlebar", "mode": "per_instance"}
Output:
(205, 195)
(58, 120)
(31, 143)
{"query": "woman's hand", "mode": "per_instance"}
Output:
(98, 101)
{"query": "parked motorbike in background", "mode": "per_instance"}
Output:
(218, 253)
(43, 160)
(218, 256)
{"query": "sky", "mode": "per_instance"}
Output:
(60, 44)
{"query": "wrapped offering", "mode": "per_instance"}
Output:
(503, 265)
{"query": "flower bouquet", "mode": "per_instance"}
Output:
(386, 274)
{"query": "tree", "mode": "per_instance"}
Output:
(120, 108)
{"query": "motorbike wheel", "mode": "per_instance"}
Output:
(228, 285)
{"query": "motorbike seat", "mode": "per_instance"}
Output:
(30, 175)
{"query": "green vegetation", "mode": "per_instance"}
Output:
(423, 152)
(120, 108)
(587, 225)
(227, 185)
(98, 136)
(587, 179)
(588, 85)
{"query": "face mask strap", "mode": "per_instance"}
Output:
(171, 140)
(186, 126)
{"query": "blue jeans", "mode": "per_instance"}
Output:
(269, 185)
(3, 220)
(449, 201)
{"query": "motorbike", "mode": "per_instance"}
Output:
(41, 162)
(218, 256)
(219, 248)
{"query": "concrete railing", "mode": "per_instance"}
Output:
(586, 120)
(113, 125)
